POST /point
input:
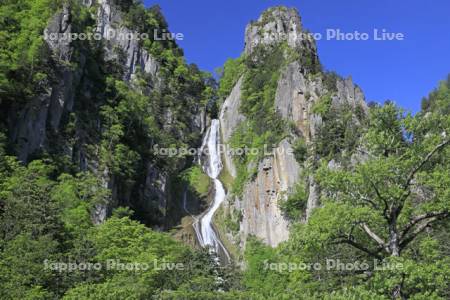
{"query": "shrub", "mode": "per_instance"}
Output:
(230, 73)
(197, 180)
(329, 81)
(295, 203)
(300, 150)
(322, 107)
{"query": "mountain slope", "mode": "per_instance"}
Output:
(326, 197)
(97, 97)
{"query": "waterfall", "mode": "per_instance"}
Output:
(203, 226)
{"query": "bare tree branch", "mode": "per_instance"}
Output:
(374, 236)
(420, 223)
(419, 218)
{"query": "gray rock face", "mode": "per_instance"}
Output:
(109, 25)
(200, 120)
(348, 93)
(295, 98)
(313, 197)
(29, 130)
(60, 24)
(276, 176)
(42, 116)
(155, 192)
(230, 118)
(275, 25)
(296, 95)
(117, 36)
(156, 187)
(102, 210)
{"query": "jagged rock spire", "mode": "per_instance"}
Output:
(275, 25)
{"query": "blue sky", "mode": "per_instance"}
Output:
(403, 71)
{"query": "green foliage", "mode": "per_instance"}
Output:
(229, 75)
(323, 106)
(393, 207)
(386, 131)
(340, 133)
(47, 206)
(226, 178)
(6, 163)
(439, 99)
(77, 197)
(260, 82)
(148, 21)
(40, 219)
(131, 114)
(242, 136)
(342, 126)
(200, 295)
(22, 272)
(232, 221)
(197, 180)
(124, 161)
(330, 80)
(126, 5)
(22, 55)
(257, 276)
(401, 181)
(295, 204)
(268, 15)
(45, 221)
(112, 128)
(122, 212)
(241, 179)
(300, 150)
(128, 241)
(364, 202)
(26, 205)
(264, 127)
(129, 111)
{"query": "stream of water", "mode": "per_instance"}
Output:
(203, 226)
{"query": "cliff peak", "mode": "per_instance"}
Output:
(276, 24)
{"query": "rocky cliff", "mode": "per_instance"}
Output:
(105, 102)
(66, 117)
(301, 90)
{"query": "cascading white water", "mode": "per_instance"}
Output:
(206, 235)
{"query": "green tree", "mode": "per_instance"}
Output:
(383, 205)
(229, 75)
(438, 100)
(22, 269)
(26, 205)
(22, 54)
(77, 196)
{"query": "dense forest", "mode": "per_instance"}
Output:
(89, 211)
